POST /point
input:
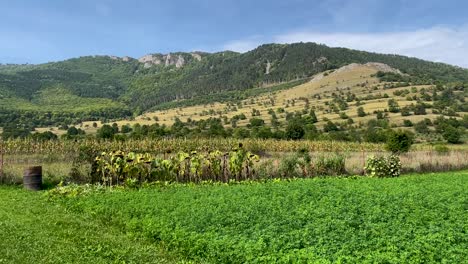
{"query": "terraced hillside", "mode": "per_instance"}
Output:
(102, 88)
(334, 95)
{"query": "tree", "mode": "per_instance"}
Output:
(405, 111)
(105, 132)
(313, 116)
(311, 132)
(330, 126)
(72, 131)
(399, 141)
(294, 130)
(241, 133)
(380, 115)
(421, 127)
(263, 132)
(407, 123)
(44, 136)
(360, 112)
(115, 127)
(256, 122)
(15, 132)
(393, 106)
(419, 109)
(126, 129)
(451, 134)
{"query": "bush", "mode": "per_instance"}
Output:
(441, 149)
(287, 166)
(399, 141)
(331, 165)
(451, 134)
(421, 127)
(360, 112)
(407, 123)
(380, 167)
(294, 131)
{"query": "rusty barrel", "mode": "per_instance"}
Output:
(32, 179)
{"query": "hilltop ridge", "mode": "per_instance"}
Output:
(122, 86)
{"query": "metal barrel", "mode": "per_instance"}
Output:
(32, 179)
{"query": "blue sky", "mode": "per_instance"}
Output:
(33, 31)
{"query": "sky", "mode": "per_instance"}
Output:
(33, 31)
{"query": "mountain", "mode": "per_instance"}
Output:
(109, 87)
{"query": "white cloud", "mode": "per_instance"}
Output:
(440, 44)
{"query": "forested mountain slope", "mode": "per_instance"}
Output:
(112, 87)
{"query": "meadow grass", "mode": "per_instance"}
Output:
(33, 230)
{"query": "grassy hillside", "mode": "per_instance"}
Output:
(334, 96)
(141, 87)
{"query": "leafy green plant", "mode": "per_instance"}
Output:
(399, 141)
(288, 165)
(441, 149)
(333, 164)
(293, 221)
(118, 167)
(380, 166)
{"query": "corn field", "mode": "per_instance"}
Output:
(27, 146)
(61, 159)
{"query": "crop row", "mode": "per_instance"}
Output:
(27, 146)
(117, 167)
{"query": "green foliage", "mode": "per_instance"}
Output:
(393, 106)
(360, 112)
(441, 149)
(101, 87)
(421, 127)
(294, 130)
(451, 134)
(44, 136)
(36, 230)
(117, 168)
(330, 165)
(399, 141)
(12, 132)
(330, 127)
(401, 220)
(407, 123)
(380, 166)
(256, 122)
(419, 109)
(105, 132)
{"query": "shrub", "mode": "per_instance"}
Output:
(441, 149)
(287, 167)
(105, 132)
(421, 127)
(393, 106)
(360, 112)
(294, 131)
(452, 135)
(380, 166)
(399, 141)
(331, 165)
(407, 123)
(405, 111)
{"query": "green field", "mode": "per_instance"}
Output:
(33, 230)
(411, 219)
